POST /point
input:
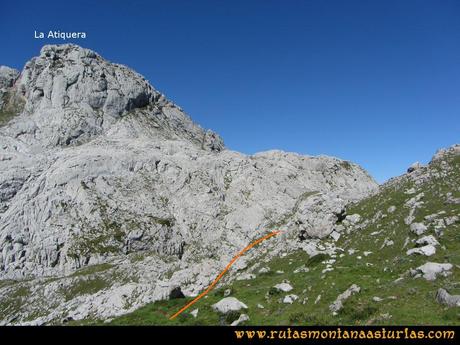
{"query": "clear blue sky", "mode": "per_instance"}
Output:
(374, 82)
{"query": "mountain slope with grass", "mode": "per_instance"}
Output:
(111, 197)
(374, 251)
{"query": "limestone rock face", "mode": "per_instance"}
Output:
(99, 169)
(7, 77)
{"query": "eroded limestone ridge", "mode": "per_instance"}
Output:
(99, 170)
(71, 94)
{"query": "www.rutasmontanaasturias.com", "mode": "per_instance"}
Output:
(56, 34)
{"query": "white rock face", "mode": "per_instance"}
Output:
(99, 168)
(338, 303)
(431, 270)
(229, 304)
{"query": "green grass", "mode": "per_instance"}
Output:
(92, 269)
(90, 285)
(16, 297)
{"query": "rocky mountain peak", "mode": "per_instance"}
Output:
(99, 169)
(67, 75)
(69, 95)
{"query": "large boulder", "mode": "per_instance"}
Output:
(431, 270)
(229, 304)
(427, 250)
(284, 287)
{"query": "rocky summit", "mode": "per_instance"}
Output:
(112, 199)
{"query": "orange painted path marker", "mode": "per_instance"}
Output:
(236, 257)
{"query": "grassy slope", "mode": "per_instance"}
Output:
(408, 301)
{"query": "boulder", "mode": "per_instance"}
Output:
(418, 228)
(335, 235)
(427, 250)
(352, 219)
(241, 318)
(415, 166)
(443, 297)
(289, 299)
(284, 287)
(431, 270)
(427, 240)
(228, 304)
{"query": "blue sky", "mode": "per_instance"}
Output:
(374, 82)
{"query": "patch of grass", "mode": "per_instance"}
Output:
(92, 269)
(89, 285)
(346, 165)
(13, 304)
(12, 106)
(169, 222)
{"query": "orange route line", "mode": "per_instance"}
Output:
(236, 257)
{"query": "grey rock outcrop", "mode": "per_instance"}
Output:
(440, 154)
(431, 270)
(338, 303)
(427, 250)
(97, 168)
(418, 228)
(443, 297)
(7, 77)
